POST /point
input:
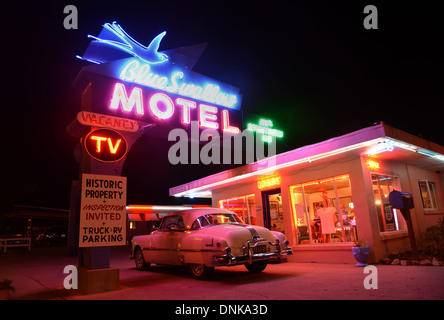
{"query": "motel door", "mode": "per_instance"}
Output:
(273, 215)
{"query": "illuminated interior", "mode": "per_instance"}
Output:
(243, 206)
(324, 211)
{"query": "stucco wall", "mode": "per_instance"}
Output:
(382, 243)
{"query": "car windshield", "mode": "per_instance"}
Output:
(222, 218)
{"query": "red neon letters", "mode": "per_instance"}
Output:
(105, 145)
(162, 107)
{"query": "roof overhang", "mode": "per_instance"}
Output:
(154, 212)
(380, 141)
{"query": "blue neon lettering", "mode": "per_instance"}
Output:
(141, 73)
(128, 72)
(175, 86)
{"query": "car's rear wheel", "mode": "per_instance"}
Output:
(141, 264)
(256, 267)
(200, 271)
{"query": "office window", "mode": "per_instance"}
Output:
(323, 210)
(243, 206)
(428, 194)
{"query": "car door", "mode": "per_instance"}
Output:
(165, 243)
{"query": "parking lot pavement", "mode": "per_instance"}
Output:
(39, 275)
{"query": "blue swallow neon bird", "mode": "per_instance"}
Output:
(119, 39)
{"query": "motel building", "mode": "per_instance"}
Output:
(328, 195)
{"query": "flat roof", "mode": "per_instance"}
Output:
(382, 140)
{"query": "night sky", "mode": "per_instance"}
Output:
(308, 65)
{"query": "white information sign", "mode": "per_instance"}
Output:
(102, 211)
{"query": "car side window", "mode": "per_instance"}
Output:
(199, 222)
(203, 221)
(172, 222)
(195, 225)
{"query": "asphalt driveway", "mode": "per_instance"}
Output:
(38, 275)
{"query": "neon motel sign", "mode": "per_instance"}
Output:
(141, 73)
(153, 85)
(162, 107)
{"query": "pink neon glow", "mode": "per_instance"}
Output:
(166, 101)
(162, 107)
(186, 106)
(226, 123)
(208, 113)
(120, 97)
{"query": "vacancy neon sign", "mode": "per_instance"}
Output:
(161, 106)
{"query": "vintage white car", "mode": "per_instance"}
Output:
(202, 239)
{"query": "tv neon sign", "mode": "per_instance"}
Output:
(265, 127)
(106, 145)
(162, 107)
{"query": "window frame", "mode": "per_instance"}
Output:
(399, 219)
(246, 210)
(433, 198)
(336, 204)
(164, 228)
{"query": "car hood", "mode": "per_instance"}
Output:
(238, 234)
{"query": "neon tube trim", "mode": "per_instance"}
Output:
(226, 124)
(280, 166)
(186, 106)
(120, 97)
(131, 46)
(311, 159)
(175, 82)
(264, 127)
(207, 114)
(204, 116)
(167, 102)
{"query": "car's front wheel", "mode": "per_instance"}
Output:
(256, 267)
(140, 261)
(200, 271)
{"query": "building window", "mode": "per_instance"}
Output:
(243, 206)
(324, 210)
(389, 219)
(132, 225)
(428, 195)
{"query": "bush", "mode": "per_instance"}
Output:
(432, 240)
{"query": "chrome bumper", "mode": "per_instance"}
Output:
(277, 256)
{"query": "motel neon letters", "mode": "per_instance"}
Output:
(162, 107)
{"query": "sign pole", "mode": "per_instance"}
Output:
(98, 200)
